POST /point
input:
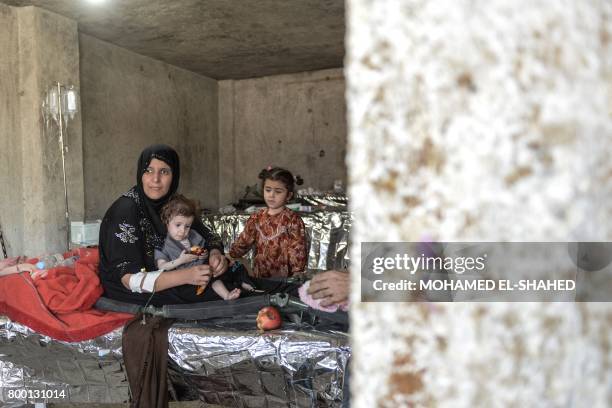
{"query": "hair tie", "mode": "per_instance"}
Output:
(269, 167)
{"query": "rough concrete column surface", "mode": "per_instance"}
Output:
(47, 53)
(11, 186)
(297, 121)
(480, 120)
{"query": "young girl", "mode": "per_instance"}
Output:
(277, 232)
(178, 215)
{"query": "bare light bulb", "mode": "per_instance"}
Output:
(53, 103)
(72, 106)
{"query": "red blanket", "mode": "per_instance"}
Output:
(60, 304)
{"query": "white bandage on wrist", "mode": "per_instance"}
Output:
(135, 281)
(149, 281)
(144, 281)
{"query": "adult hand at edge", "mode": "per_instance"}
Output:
(332, 287)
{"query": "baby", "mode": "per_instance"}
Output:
(184, 247)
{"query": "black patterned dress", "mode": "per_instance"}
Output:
(128, 239)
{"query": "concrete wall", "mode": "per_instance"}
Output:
(41, 49)
(483, 121)
(296, 121)
(131, 101)
(11, 190)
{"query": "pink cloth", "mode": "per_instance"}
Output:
(316, 303)
(8, 262)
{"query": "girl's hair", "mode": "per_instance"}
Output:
(282, 175)
(179, 205)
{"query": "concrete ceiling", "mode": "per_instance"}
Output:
(222, 39)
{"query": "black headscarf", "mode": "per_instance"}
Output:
(153, 207)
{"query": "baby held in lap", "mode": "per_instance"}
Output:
(178, 215)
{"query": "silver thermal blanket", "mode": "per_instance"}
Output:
(226, 362)
(327, 235)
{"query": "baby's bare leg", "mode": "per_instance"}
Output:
(234, 294)
(222, 291)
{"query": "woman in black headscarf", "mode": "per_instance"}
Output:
(132, 229)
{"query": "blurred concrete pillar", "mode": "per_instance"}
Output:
(480, 120)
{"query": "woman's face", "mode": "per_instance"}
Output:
(156, 179)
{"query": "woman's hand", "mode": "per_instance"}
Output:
(218, 263)
(198, 275)
(332, 287)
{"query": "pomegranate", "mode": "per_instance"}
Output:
(269, 318)
(196, 250)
